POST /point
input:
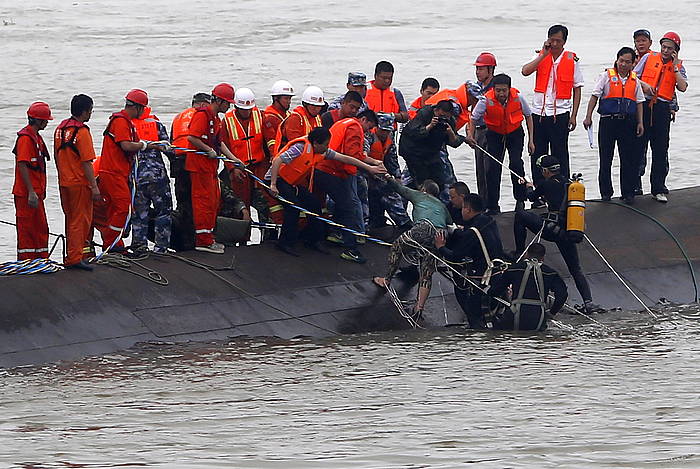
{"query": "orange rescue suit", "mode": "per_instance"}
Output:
(564, 75)
(660, 76)
(503, 119)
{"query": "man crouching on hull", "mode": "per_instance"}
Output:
(530, 282)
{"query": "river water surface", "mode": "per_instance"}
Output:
(624, 397)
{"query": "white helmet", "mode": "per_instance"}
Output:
(244, 99)
(313, 95)
(282, 88)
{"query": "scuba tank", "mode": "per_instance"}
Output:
(575, 209)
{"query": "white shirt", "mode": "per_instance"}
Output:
(602, 87)
(543, 104)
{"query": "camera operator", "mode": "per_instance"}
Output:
(423, 138)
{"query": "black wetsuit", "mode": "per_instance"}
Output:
(553, 191)
(530, 315)
(465, 244)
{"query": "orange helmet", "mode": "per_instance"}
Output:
(485, 59)
(137, 96)
(671, 36)
(224, 91)
(39, 110)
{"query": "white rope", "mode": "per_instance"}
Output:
(651, 313)
(501, 163)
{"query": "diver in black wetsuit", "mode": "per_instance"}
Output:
(530, 281)
(466, 244)
(553, 191)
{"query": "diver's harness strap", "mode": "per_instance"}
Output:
(534, 268)
(490, 264)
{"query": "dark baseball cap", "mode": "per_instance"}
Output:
(641, 32)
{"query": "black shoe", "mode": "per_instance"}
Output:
(638, 192)
(606, 198)
(317, 246)
(539, 203)
(82, 265)
(287, 249)
(353, 255)
(519, 205)
(628, 200)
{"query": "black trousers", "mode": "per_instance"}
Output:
(531, 221)
(622, 132)
(551, 135)
(471, 301)
(290, 222)
(497, 144)
(657, 128)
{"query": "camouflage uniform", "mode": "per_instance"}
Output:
(152, 189)
(381, 197)
(354, 79)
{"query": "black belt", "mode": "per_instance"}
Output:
(615, 116)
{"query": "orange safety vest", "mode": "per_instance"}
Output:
(414, 107)
(309, 122)
(338, 133)
(180, 129)
(563, 75)
(660, 76)
(146, 127)
(503, 119)
(381, 100)
(297, 172)
(459, 96)
(247, 143)
(274, 115)
(621, 98)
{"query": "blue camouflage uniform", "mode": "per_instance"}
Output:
(152, 190)
(354, 79)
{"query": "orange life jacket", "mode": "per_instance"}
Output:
(300, 170)
(247, 142)
(116, 160)
(660, 76)
(503, 119)
(414, 107)
(309, 122)
(66, 132)
(338, 141)
(381, 100)
(146, 126)
(180, 128)
(378, 150)
(563, 75)
(621, 98)
(459, 96)
(37, 163)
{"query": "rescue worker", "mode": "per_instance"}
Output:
(153, 198)
(428, 88)
(556, 101)
(74, 153)
(281, 93)
(552, 224)
(661, 74)
(530, 282)
(357, 81)
(243, 135)
(485, 66)
(183, 186)
(381, 197)
(503, 109)
(423, 139)
(642, 43)
(29, 189)
(621, 121)
(339, 180)
(381, 97)
(120, 145)
(292, 177)
(479, 241)
(204, 135)
(430, 217)
(457, 192)
(350, 107)
(303, 118)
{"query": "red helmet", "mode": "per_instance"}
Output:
(137, 96)
(485, 59)
(40, 110)
(671, 36)
(224, 91)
